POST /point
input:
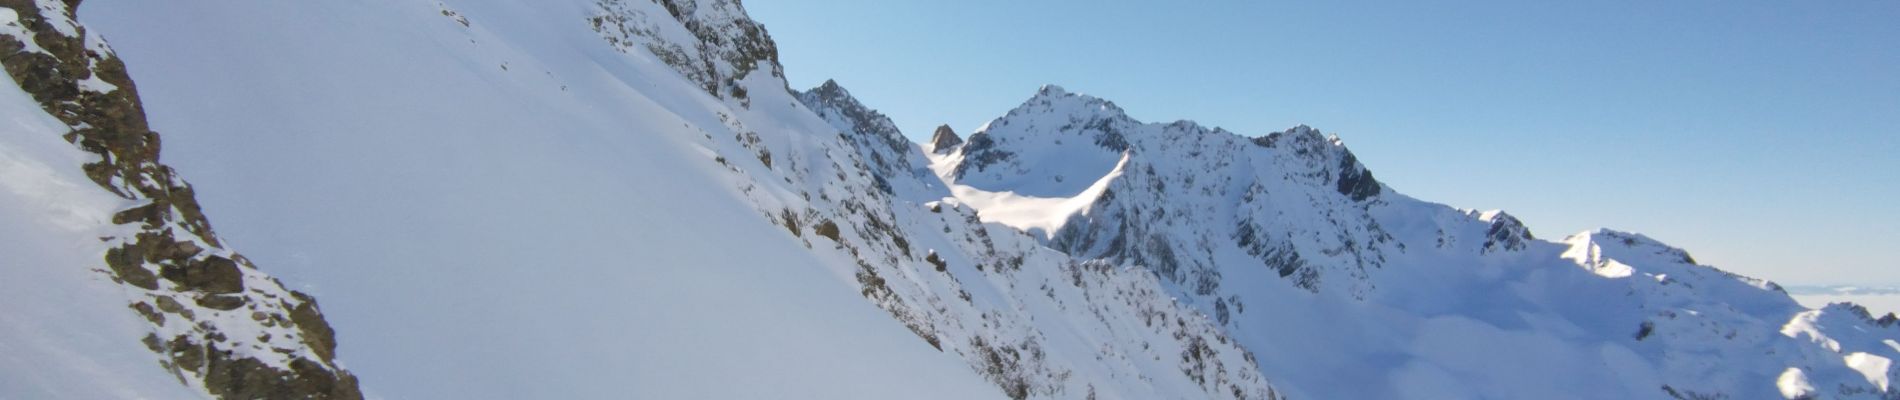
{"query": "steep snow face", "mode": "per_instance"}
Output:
(116, 236)
(711, 42)
(1292, 200)
(504, 205)
(1018, 169)
(1027, 152)
(1031, 320)
(494, 191)
(1350, 290)
(607, 199)
(887, 155)
(1039, 216)
(64, 328)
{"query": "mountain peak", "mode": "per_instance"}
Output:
(1614, 243)
(944, 139)
(830, 90)
(1053, 100)
(1052, 90)
(831, 95)
(831, 102)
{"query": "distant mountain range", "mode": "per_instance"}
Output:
(1841, 289)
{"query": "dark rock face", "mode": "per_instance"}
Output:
(876, 138)
(1355, 180)
(827, 229)
(1352, 179)
(979, 153)
(214, 274)
(933, 259)
(1506, 233)
(1109, 135)
(174, 255)
(944, 140)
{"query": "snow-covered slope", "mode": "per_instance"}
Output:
(115, 285)
(1347, 289)
(623, 198)
(507, 208)
(1034, 321)
(65, 330)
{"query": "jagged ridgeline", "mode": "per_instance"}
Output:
(1031, 320)
(1271, 254)
(220, 324)
(647, 201)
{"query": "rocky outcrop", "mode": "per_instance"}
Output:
(944, 140)
(221, 324)
(1506, 233)
(727, 45)
(883, 148)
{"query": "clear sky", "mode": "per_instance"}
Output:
(1762, 136)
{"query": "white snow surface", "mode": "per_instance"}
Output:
(1041, 216)
(65, 330)
(1878, 304)
(506, 209)
(1385, 296)
(496, 200)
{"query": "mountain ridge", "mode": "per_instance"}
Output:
(219, 324)
(602, 198)
(1341, 232)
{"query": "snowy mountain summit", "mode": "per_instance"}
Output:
(1289, 228)
(623, 198)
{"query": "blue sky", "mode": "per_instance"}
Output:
(1762, 136)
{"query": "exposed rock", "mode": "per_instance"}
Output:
(827, 229)
(1355, 180)
(1506, 233)
(221, 302)
(944, 140)
(878, 141)
(979, 153)
(727, 46)
(212, 275)
(1003, 342)
(172, 239)
(933, 259)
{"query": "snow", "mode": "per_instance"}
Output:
(1088, 327)
(65, 330)
(1049, 136)
(543, 230)
(1794, 384)
(10, 25)
(96, 85)
(1875, 368)
(495, 200)
(55, 14)
(1878, 303)
(1037, 215)
(1807, 324)
(1393, 297)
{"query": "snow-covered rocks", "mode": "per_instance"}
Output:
(711, 42)
(627, 206)
(216, 323)
(1233, 224)
(944, 140)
